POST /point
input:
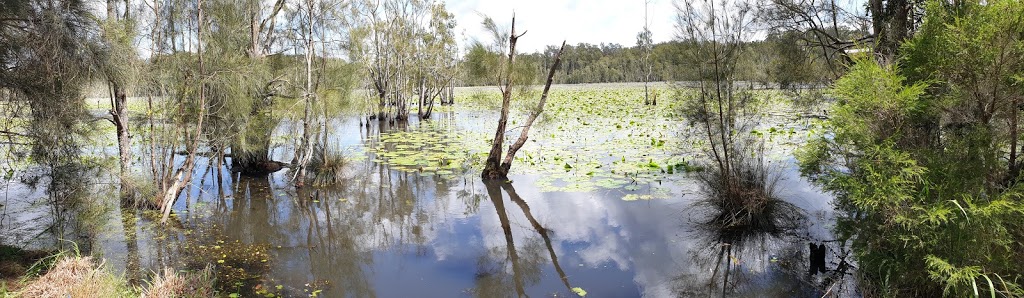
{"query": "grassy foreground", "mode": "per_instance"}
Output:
(68, 275)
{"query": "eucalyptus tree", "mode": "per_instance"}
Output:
(436, 59)
(377, 47)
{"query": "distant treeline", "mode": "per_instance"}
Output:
(782, 59)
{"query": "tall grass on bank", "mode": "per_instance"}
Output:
(65, 274)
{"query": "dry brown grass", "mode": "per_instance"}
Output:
(75, 277)
(81, 277)
(173, 285)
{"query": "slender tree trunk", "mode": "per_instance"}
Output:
(184, 174)
(305, 148)
(119, 116)
(419, 108)
(1013, 139)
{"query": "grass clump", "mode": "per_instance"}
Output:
(328, 167)
(62, 275)
(76, 277)
(742, 201)
(175, 284)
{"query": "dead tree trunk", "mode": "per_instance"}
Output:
(495, 169)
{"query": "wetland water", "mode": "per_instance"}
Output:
(603, 200)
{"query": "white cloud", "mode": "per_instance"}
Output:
(548, 22)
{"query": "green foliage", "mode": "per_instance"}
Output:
(923, 213)
(776, 59)
(481, 65)
(873, 104)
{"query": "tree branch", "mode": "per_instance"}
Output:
(523, 136)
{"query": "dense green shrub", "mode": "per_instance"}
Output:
(918, 157)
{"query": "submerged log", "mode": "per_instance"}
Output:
(261, 168)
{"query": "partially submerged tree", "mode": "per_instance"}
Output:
(251, 137)
(436, 60)
(495, 167)
(320, 23)
(408, 49)
(738, 179)
(118, 34)
(193, 89)
(717, 29)
(645, 42)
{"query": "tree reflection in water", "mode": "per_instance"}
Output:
(756, 246)
(526, 267)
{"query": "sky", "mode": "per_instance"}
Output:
(548, 22)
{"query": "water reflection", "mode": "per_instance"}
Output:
(489, 280)
(392, 233)
(51, 207)
(749, 258)
(753, 242)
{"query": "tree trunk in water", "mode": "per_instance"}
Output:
(251, 161)
(305, 148)
(253, 157)
(493, 170)
(183, 175)
(119, 115)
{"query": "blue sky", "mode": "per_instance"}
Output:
(550, 21)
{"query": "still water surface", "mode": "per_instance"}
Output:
(392, 233)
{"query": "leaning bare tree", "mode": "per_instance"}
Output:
(174, 184)
(496, 168)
